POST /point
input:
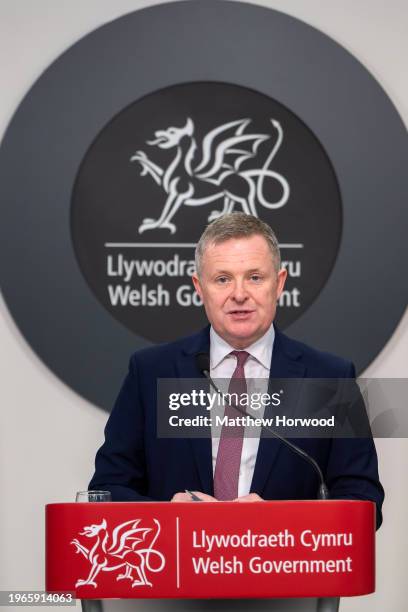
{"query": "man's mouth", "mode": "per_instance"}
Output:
(243, 313)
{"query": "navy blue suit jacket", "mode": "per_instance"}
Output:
(135, 465)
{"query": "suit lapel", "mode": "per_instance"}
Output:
(286, 363)
(187, 368)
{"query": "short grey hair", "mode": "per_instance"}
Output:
(236, 225)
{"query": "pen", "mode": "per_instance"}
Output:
(193, 496)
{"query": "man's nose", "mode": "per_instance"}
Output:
(239, 293)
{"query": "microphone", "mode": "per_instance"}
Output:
(203, 364)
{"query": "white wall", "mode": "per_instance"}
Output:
(49, 434)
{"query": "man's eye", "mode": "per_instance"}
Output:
(256, 277)
(221, 280)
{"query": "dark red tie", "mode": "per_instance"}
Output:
(226, 474)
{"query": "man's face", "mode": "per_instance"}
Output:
(239, 286)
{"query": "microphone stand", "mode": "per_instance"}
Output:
(323, 491)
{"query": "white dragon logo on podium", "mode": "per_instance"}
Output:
(218, 173)
(120, 550)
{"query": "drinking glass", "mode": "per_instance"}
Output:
(93, 496)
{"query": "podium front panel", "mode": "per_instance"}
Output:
(211, 550)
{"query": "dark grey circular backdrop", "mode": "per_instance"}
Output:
(326, 87)
(111, 197)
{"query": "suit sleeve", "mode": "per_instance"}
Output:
(120, 465)
(352, 470)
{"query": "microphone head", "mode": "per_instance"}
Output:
(203, 362)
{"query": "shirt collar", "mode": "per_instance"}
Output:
(261, 350)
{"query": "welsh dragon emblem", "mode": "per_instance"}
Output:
(215, 170)
(120, 550)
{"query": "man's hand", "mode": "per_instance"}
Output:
(251, 497)
(186, 497)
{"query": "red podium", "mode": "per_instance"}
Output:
(228, 550)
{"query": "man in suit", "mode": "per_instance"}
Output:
(239, 279)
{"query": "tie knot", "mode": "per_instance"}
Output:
(241, 356)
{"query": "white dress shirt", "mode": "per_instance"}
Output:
(257, 367)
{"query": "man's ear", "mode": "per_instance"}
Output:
(282, 275)
(196, 283)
